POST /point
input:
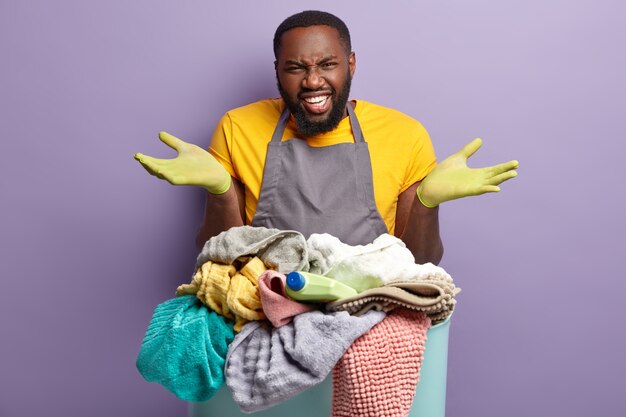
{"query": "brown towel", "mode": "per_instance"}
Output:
(436, 299)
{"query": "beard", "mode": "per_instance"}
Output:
(308, 127)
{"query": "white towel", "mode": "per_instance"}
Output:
(362, 267)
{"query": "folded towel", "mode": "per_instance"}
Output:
(184, 349)
(378, 374)
(278, 309)
(381, 262)
(435, 298)
(265, 366)
(281, 250)
(231, 293)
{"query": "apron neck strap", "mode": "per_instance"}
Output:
(284, 117)
(356, 127)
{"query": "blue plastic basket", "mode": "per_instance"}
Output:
(430, 396)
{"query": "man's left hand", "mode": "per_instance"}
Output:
(452, 178)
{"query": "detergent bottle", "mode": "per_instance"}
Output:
(304, 286)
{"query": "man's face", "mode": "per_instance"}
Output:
(314, 72)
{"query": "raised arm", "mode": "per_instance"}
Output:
(418, 227)
(195, 166)
(417, 217)
(453, 179)
(222, 212)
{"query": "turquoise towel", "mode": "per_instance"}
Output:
(184, 348)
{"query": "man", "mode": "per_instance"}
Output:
(316, 162)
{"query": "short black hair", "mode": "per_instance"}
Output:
(312, 18)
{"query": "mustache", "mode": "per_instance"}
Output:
(309, 90)
(304, 125)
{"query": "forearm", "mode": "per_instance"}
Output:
(418, 227)
(222, 212)
(421, 235)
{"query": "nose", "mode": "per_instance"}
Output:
(313, 80)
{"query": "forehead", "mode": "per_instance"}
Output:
(310, 43)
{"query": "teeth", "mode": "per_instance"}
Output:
(317, 99)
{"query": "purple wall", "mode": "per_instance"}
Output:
(91, 243)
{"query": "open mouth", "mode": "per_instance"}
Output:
(317, 104)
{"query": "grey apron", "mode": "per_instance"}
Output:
(319, 189)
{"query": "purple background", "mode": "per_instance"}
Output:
(91, 243)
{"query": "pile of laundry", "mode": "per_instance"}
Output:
(234, 323)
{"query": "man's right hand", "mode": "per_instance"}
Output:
(192, 166)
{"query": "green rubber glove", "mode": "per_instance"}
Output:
(452, 178)
(192, 166)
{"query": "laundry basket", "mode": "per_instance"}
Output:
(430, 396)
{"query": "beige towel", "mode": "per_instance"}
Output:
(435, 298)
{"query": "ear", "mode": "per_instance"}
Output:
(352, 63)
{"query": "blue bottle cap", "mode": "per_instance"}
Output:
(295, 281)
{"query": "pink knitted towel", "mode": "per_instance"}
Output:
(279, 309)
(378, 374)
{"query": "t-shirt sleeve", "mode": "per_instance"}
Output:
(221, 144)
(423, 159)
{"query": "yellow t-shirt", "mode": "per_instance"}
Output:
(400, 149)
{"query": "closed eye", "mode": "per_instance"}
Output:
(294, 69)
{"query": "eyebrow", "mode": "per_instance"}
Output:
(320, 62)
